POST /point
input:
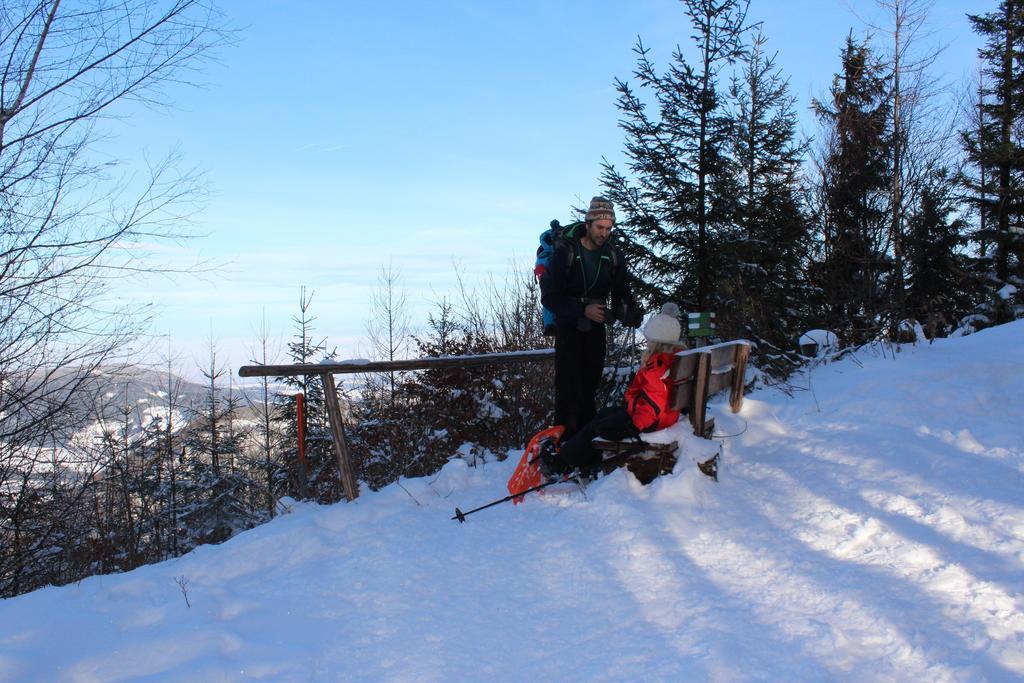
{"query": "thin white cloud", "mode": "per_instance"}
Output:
(322, 147)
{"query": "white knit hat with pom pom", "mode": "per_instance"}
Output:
(664, 327)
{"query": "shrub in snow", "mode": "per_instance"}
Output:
(425, 418)
(909, 332)
(818, 343)
(970, 324)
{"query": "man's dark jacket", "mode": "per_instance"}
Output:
(564, 291)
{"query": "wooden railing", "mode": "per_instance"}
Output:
(362, 366)
(326, 372)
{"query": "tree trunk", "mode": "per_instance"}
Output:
(1005, 162)
(702, 220)
(896, 227)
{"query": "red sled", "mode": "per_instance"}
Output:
(527, 474)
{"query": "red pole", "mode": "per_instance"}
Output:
(300, 418)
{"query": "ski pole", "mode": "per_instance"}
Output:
(461, 516)
(614, 460)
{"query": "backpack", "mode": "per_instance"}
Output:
(649, 394)
(549, 239)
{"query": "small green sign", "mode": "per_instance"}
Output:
(700, 324)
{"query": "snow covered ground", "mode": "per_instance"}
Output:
(868, 528)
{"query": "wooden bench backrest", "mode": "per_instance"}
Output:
(698, 374)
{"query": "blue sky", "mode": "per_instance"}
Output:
(340, 137)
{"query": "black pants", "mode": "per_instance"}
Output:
(612, 423)
(579, 362)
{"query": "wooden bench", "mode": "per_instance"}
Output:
(696, 375)
(655, 460)
(699, 374)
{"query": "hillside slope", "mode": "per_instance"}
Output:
(869, 527)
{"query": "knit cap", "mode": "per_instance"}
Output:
(600, 208)
(664, 327)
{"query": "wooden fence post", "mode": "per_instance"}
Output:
(348, 480)
(739, 370)
(700, 393)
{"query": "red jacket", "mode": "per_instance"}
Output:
(648, 395)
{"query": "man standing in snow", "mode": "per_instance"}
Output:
(583, 273)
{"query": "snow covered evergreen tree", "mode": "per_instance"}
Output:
(767, 287)
(996, 151)
(851, 209)
(263, 456)
(320, 478)
(211, 484)
(940, 282)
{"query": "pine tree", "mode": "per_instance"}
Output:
(154, 521)
(439, 409)
(321, 473)
(995, 148)
(852, 210)
(386, 439)
(121, 484)
(767, 281)
(274, 470)
(172, 455)
(678, 201)
(939, 280)
(459, 412)
(212, 484)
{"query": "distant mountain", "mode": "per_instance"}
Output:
(142, 394)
